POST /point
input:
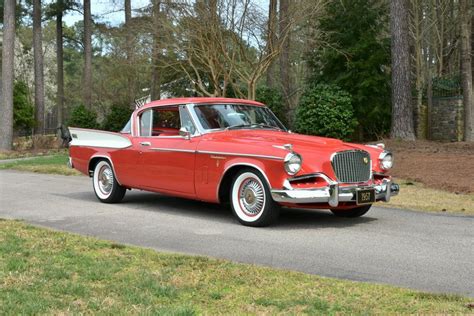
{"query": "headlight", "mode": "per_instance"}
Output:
(293, 163)
(386, 160)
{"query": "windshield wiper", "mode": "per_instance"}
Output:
(260, 125)
(263, 125)
(238, 126)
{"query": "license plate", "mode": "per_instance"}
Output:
(365, 196)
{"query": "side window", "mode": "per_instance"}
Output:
(127, 129)
(186, 120)
(146, 123)
(165, 121)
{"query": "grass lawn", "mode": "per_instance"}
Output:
(415, 196)
(56, 164)
(49, 272)
(25, 154)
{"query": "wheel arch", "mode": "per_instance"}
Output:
(226, 180)
(95, 160)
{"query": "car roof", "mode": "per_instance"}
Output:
(199, 100)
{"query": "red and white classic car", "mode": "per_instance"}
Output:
(235, 152)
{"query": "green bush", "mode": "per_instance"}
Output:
(325, 110)
(23, 110)
(274, 100)
(82, 117)
(117, 118)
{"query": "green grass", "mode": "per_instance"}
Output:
(49, 272)
(13, 154)
(56, 164)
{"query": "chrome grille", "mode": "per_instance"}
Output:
(352, 166)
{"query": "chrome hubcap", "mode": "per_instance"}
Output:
(106, 179)
(251, 197)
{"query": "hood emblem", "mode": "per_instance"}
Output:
(288, 147)
(366, 160)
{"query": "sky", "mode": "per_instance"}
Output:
(107, 11)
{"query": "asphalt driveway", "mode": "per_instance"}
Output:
(432, 252)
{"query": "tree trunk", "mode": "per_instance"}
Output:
(466, 69)
(155, 92)
(38, 65)
(87, 54)
(285, 78)
(60, 74)
(402, 108)
(129, 48)
(272, 39)
(6, 106)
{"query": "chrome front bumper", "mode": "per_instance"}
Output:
(333, 193)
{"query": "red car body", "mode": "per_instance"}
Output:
(202, 166)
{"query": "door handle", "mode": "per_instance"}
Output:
(145, 143)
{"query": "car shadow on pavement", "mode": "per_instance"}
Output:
(289, 218)
(304, 218)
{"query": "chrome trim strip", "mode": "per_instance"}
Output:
(216, 153)
(89, 146)
(311, 175)
(173, 150)
(239, 155)
(132, 126)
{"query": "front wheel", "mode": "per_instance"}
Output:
(106, 187)
(353, 212)
(251, 199)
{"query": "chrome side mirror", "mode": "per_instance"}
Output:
(183, 132)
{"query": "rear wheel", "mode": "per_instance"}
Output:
(251, 200)
(106, 187)
(353, 212)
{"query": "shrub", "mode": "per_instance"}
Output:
(325, 110)
(274, 100)
(23, 110)
(117, 118)
(82, 117)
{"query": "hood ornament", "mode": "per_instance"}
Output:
(288, 147)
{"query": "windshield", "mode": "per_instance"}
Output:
(234, 116)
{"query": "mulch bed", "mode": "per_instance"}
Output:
(445, 166)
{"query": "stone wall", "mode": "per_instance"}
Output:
(446, 119)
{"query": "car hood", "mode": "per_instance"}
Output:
(316, 151)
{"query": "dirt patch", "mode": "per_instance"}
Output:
(445, 166)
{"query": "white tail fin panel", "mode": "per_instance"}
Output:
(96, 138)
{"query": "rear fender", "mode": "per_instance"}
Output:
(98, 157)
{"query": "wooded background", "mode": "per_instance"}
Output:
(353, 69)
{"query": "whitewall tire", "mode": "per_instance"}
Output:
(105, 184)
(251, 200)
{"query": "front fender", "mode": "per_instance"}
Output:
(215, 169)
